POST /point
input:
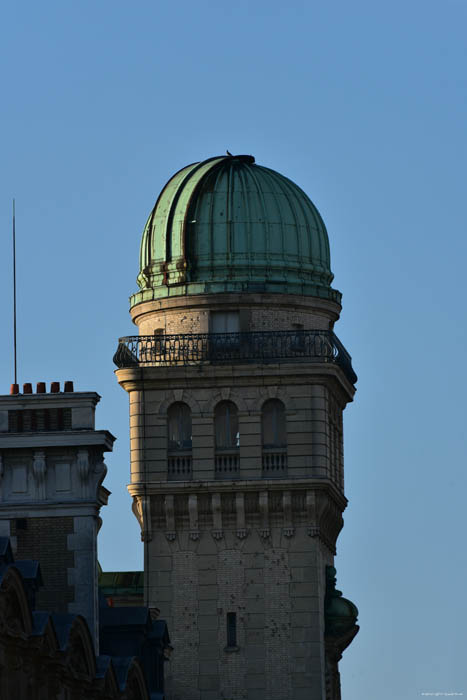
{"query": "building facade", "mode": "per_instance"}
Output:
(60, 639)
(237, 384)
(51, 473)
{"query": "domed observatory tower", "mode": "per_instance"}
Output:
(237, 385)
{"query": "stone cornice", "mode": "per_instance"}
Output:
(237, 485)
(51, 509)
(131, 379)
(60, 400)
(63, 438)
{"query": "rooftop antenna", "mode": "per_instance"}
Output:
(14, 293)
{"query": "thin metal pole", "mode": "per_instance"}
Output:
(14, 292)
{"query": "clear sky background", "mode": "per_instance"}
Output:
(364, 105)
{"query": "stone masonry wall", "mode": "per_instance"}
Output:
(256, 313)
(253, 546)
(45, 539)
(260, 319)
(313, 423)
(273, 584)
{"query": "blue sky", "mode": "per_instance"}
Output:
(362, 104)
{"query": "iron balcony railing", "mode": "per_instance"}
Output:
(224, 348)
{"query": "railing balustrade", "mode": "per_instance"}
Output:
(274, 462)
(224, 348)
(227, 465)
(179, 466)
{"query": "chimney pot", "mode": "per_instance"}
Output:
(14, 389)
(55, 387)
(40, 389)
(68, 386)
(27, 388)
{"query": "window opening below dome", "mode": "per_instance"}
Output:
(225, 322)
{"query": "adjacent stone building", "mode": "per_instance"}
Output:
(51, 472)
(60, 639)
(237, 384)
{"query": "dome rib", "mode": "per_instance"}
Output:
(294, 201)
(252, 174)
(227, 224)
(248, 232)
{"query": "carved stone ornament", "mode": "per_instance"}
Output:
(194, 535)
(100, 469)
(265, 532)
(141, 507)
(313, 531)
(217, 534)
(171, 536)
(82, 462)
(288, 531)
(241, 534)
(39, 467)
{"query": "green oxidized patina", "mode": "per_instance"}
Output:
(340, 614)
(229, 225)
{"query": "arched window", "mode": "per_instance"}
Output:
(226, 425)
(179, 427)
(227, 463)
(273, 424)
(274, 436)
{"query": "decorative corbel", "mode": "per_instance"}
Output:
(193, 516)
(313, 527)
(82, 463)
(240, 508)
(100, 469)
(141, 507)
(264, 514)
(170, 518)
(288, 529)
(39, 469)
(217, 532)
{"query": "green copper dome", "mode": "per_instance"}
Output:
(229, 225)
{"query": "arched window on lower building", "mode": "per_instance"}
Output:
(179, 460)
(227, 437)
(274, 438)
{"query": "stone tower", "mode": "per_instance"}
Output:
(237, 384)
(51, 473)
